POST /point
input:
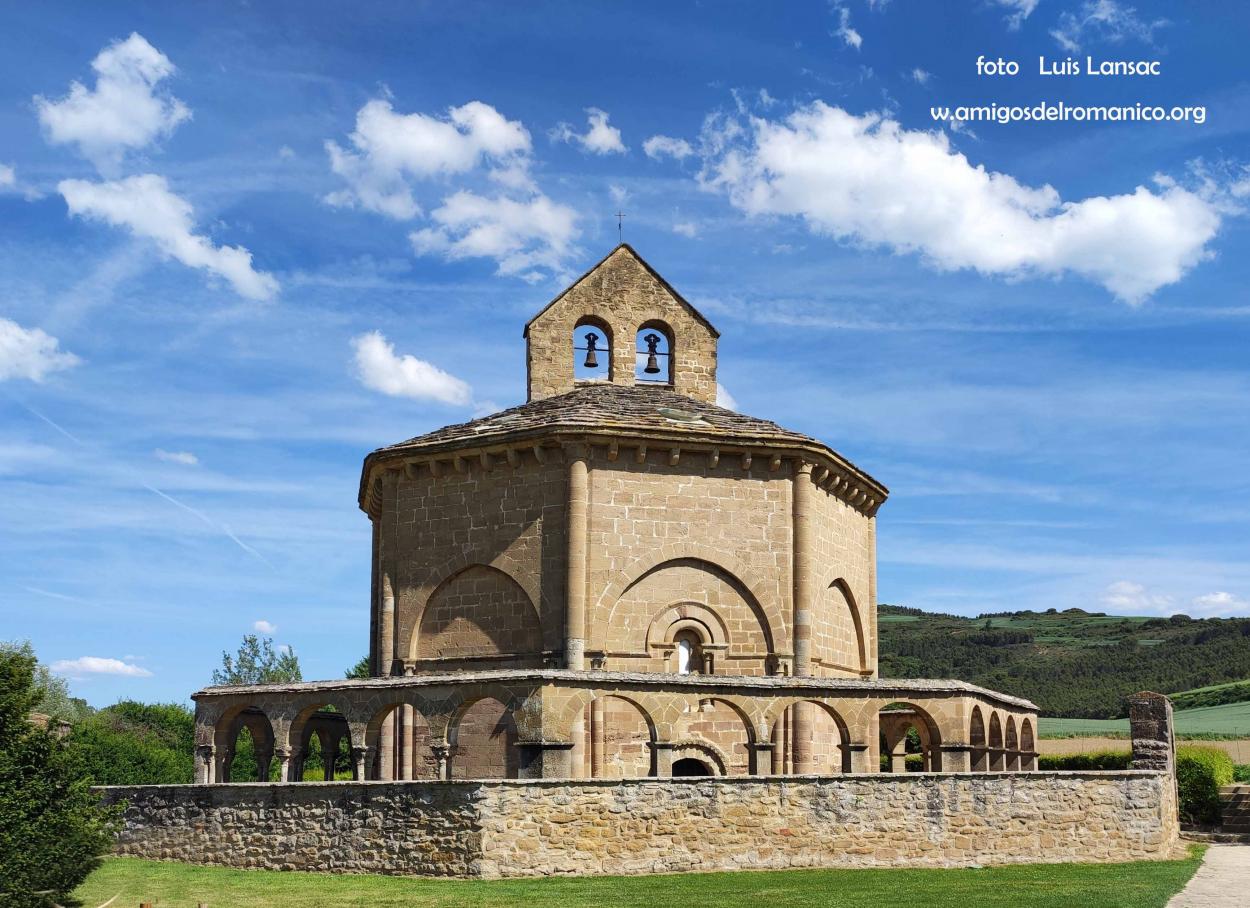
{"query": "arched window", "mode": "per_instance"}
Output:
(689, 652)
(654, 354)
(592, 350)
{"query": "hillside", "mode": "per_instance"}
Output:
(1072, 663)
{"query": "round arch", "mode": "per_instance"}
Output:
(976, 740)
(894, 719)
(861, 647)
(1012, 746)
(764, 602)
(494, 633)
(996, 742)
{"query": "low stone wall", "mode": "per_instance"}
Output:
(542, 827)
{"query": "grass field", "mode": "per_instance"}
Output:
(1230, 719)
(168, 885)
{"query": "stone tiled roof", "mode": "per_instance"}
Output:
(599, 405)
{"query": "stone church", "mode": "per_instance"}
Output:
(618, 578)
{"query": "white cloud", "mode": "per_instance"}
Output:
(599, 137)
(1103, 20)
(1018, 11)
(147, 208)
(126, 110)
(389, 149)
(920, 76)
(186, 458)
(85, 666)
(686, 229)
(724, 398)
(866, 179)
(849, 36)
(1133, 598)
(618, 193)
(8, 177)
(519, 235)
(380, 369)
(264, 627)
(1219, 604)
(658, 147)
(30, 353)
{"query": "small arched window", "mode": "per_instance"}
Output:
(592, 351)
(654, 354)
(689, 652)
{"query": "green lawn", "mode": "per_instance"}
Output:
(1139, 885)
(1231, 719)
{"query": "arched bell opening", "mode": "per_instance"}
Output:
(654, 354)
(592, 350)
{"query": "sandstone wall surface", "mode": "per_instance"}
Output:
(535, 828)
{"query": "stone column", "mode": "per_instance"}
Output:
(264, 757)
(597, 734)
(1150, 724)
(578, 528)
(386, 627)
(802, 730)
(286, 766)
(360, 763)
(441, 754)
(329, 754)
(802, 566)
(406, 749)
(386, 748)
(204, 764)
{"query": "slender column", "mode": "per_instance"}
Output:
(787, 735)
(580, 754)
(386, 628)
(596, 738)
(802, 569)
(286, 765)
(386, 748)
(778, 756)
(329, 755)
(360, 763)
(762, 753)
(406, 751)
(803, 737)
(440, 752)
(861, 758)
(956, 758)
(204, 764)
(578, 510)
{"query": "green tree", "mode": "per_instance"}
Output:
(53, 830)
(133, 743)
(257, 662)
(359, 670)
(53, 693)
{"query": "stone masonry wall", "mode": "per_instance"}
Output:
(536, 828)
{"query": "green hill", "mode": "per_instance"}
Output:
(1073, 663)
(1226, 720)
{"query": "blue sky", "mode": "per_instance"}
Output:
(258, 240)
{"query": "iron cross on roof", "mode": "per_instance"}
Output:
(620, 227)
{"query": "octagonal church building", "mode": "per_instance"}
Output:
(618, 578)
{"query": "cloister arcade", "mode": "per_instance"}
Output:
(564, 724)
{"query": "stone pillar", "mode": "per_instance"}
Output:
(578, 528)
(408, 719)
(545, 759)
(802, 726)
(861, 758)
(386, 748)
(663, 751)
(329, 754)
(204, 764)
(777, 759)
(579, 754)
(441, 754)
(1150, 724)
(386, 628)
(597, 735)
(956, 758)
(762, 753)
(360, 763)
(286, 765)
(264, 758)
(802, 565)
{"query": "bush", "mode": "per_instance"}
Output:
(137, 744)
(53, 830)
(1241, 772)
(1102, 759)
(1200, 771)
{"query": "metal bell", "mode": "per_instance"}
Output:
(653, 364)
(592, 361)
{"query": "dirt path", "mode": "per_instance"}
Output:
(1223, 880)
